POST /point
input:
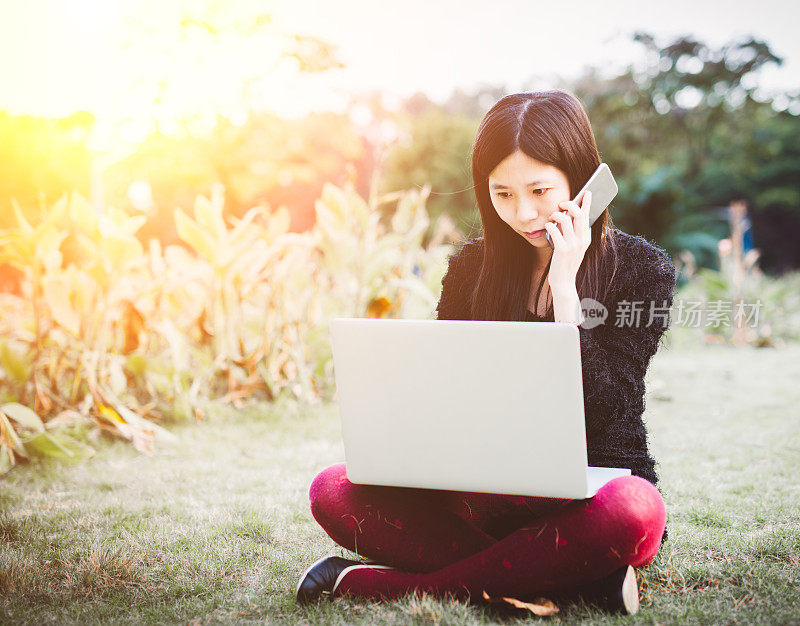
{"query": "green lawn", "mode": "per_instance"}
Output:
(217, 528)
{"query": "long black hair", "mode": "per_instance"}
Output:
(553, 128)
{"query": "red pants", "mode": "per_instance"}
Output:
(462, 543)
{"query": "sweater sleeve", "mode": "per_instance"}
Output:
(615, 357)
(616, 354)
(457, 281)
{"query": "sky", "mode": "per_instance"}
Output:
(434, 46)
(110, 56)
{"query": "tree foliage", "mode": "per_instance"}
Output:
(684, 137)
(690, 134)
(436, 151)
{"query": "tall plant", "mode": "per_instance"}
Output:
(112, 334)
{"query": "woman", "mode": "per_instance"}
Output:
(532, 153)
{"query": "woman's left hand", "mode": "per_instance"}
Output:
(570, 243)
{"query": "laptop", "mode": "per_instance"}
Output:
(483, 406)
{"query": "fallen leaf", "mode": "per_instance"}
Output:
(540, 606)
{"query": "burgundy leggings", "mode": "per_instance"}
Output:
(459, 543)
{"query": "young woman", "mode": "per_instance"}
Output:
(532, 153)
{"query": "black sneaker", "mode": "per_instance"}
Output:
(322, 576)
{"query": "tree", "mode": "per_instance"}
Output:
(687, 135)
(436, 150)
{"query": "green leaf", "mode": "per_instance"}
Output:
(208, 215)
(136, 364)
(23, 416)
(23, 224)
(20, 367)
(134, 419)
(5, 459)
(59, 294)
(359, 207)
(11, 436)
(190, 232)
(59, 446)
(329, 221)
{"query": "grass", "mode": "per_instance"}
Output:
(217, 528)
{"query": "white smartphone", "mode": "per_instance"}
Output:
(604, 189)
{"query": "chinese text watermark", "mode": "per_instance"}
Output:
(687, 313)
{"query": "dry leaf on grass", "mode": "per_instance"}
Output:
(540, 606)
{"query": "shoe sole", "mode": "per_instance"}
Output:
(630, 592)
(352, 567)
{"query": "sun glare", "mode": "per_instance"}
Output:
(142, 65)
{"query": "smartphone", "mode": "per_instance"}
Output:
(604, 189)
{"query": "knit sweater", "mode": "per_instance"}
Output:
(615, 355)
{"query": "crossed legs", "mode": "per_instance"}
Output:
(442, 549)
(409, 529)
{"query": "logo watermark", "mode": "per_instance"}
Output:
(686, 313)
(594, 313)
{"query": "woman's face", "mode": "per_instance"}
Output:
(525, 192)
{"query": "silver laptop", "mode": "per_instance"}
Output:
(486, 406)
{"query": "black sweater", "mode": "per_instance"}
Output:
(614, 358)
